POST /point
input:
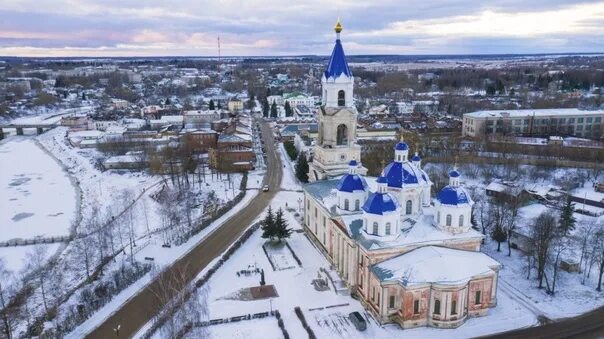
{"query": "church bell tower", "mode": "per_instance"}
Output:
(336, 145)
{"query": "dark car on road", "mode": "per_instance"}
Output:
(357, 319)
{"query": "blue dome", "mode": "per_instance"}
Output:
(454, 174)
(353, 163)
(416, 158)
(450, 195)
(399, 173)
(382, 180)
(337, 63)
(352, 182)
(401, 146)
(380, 203)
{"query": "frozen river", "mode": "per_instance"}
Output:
(36, 195)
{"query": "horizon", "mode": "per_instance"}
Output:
(88, 28)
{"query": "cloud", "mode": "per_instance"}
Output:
(283, 27)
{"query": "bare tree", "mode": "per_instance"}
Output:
(36, 260)
(6, 291)
(512, 206)
(560, 245)
(598, 240)
(542, 233)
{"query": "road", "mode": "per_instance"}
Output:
(586, 326)
(137, 311)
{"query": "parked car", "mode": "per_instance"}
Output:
(265, 188)
(357, 319)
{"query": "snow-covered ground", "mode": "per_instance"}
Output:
(37, 197)
(294, 288)
(15, 257)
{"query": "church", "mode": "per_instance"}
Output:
(410, 258)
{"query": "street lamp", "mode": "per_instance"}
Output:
(117, 331)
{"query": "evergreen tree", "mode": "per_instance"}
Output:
(251, 103)
(281, 230)
(167, 102)
(219, 106)
(268, 225)
(274, 110)
(288, 110)
(302, 168)
(500, 236)
(212, 105)
(567, 220)
(265, 108)
(83, 96)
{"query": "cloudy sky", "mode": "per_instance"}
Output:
(295, 27)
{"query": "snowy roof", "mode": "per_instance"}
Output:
(380, 203)
(404, 173)
(434, 264)
(517, 113)
(337, 63)
(413, 230)
(453, 195)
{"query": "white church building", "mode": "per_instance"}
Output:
(410, 259)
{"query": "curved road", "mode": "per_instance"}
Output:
(137, 311)
(586, 326)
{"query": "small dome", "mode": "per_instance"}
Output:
(352, 182)
(380, 203)
(454, 174)
(416, 158)
(402, 146)
(450, 195)
(353, 163)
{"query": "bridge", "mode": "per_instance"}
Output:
(40, 127)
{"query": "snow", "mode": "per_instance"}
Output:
(241, 330)
(435, 264)
(38, 199)
(15, 256)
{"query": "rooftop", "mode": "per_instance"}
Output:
(515, 113)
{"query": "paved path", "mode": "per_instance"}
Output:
(588, 325)
(137, 311)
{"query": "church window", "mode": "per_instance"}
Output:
(375, 228)
(357, 205)
(409, 207)
(346, 204)
(461, 220)
(454, 307)
(391, 302)
(416, 306)
(436, 306)
(477, 298)
(448, 219)
(438, 217)
(341, 98)
(388, 226)
(342, 136)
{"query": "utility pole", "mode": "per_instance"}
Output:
(218, 50)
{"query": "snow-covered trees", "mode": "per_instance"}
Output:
(302, 168)
(567, 221)
(543, 232)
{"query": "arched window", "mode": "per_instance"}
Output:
(388, 226)
(409, 207)
(448, 219)
(438, 217)
(346, 204)
(342, 137)
(436, 306)
(357, 205)
(341, 98)
(375, 228)
(461, 220)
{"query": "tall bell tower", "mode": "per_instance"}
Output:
(336, 145)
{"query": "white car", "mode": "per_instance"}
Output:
(265, 188)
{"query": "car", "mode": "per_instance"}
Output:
(357, 319)
(265, 188)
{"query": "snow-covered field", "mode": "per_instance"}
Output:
(38, 199)
(15, 257)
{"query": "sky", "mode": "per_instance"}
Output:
(297, 27)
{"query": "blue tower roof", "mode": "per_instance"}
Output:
(399, 174)
(401, 146)
(380, 203)
(353, 163)
(416, 158)
(337, 63)
(450, 195)
(454, 174)
(352, 182)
